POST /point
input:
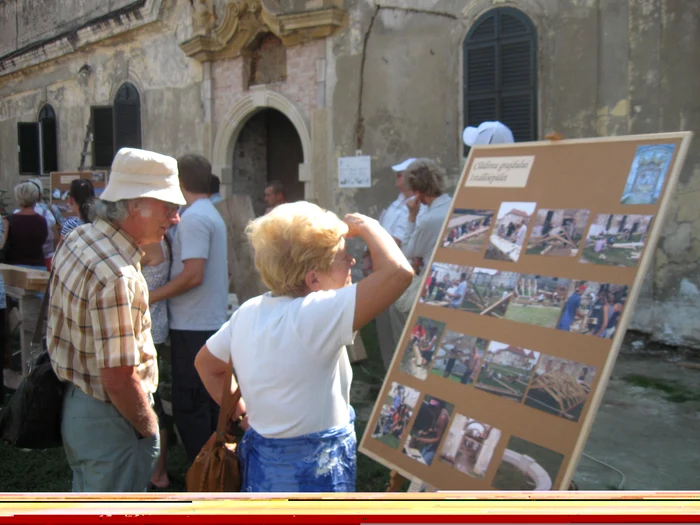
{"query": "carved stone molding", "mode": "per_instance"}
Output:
(244, 20)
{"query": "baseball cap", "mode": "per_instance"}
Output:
(402, 167)
(489, 132)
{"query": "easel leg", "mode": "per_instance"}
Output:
(396, 482)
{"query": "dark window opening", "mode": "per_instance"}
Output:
(500, 72)
(117, 126)
(28, 142)
(49, 141)
(127, 118)
(102, 137)
(37, 144)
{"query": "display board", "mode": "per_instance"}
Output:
(508, 348)
(60, 184)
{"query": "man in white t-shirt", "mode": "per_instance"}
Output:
(394, 219)
(457, 295)
(197, 296)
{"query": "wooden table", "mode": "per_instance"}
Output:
(24, 285)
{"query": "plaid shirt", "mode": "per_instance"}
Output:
(98, 310)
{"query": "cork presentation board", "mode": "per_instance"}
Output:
(521, 312)
(60, 184)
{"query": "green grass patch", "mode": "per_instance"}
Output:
(610, 256)
(674, 392)
(546, 316)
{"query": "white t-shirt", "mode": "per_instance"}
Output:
(290, 360)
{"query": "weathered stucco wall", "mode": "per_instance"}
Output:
(150, 58)
(605, 68)
(26, 21)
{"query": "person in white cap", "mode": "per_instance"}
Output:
(394, 219)
(99, 326)
(489, 132)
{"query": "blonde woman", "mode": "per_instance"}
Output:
(288, 346)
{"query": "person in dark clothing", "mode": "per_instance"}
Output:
(25, 231)
(598, 318)
(613, 321)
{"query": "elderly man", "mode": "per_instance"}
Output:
(428, 182)
(99, 327)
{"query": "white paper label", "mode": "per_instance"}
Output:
(67, 179)
(500, 172)
(355, 172)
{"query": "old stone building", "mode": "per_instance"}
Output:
(279, 89)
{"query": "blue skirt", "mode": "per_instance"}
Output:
(323, 461)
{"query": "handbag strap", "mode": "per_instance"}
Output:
(228, 404)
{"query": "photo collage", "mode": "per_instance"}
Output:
(529, 377)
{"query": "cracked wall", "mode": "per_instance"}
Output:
(389, 83)
(605, 68)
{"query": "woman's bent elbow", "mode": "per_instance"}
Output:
(405, 275)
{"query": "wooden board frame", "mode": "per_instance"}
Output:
(585, 158)
(61, 180)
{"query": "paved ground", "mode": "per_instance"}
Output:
(652, 440)
(650, 433)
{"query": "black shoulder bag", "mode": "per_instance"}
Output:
(32, 417)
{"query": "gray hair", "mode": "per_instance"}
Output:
(109, 211)
(426, 176)
(27, 194)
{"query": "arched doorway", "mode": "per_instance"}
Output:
(268, 148)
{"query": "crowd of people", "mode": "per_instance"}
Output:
(145, 265)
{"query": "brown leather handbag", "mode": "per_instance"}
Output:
(216, 468)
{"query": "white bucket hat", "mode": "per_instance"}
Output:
(402, 167)
(489, 132)
(137, 173)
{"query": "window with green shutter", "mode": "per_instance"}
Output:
(117, 126)
(37, 144)
(500, 72)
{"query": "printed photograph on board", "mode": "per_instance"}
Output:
(489, 292)
(558, 232)
(593, 308)
(508, 234)
(537, 300)
(418, 485)
(428, 429)
(616, 240)
(648, 174)
(395, 414)
(469, 446)
(422, 344)
(468, 230)
(527, 466)
(446, 285)
(506, 370)
(560, 387)
(458, 357)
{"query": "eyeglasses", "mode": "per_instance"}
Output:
(171, 210)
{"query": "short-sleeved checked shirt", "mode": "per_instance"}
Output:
(98, 310)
